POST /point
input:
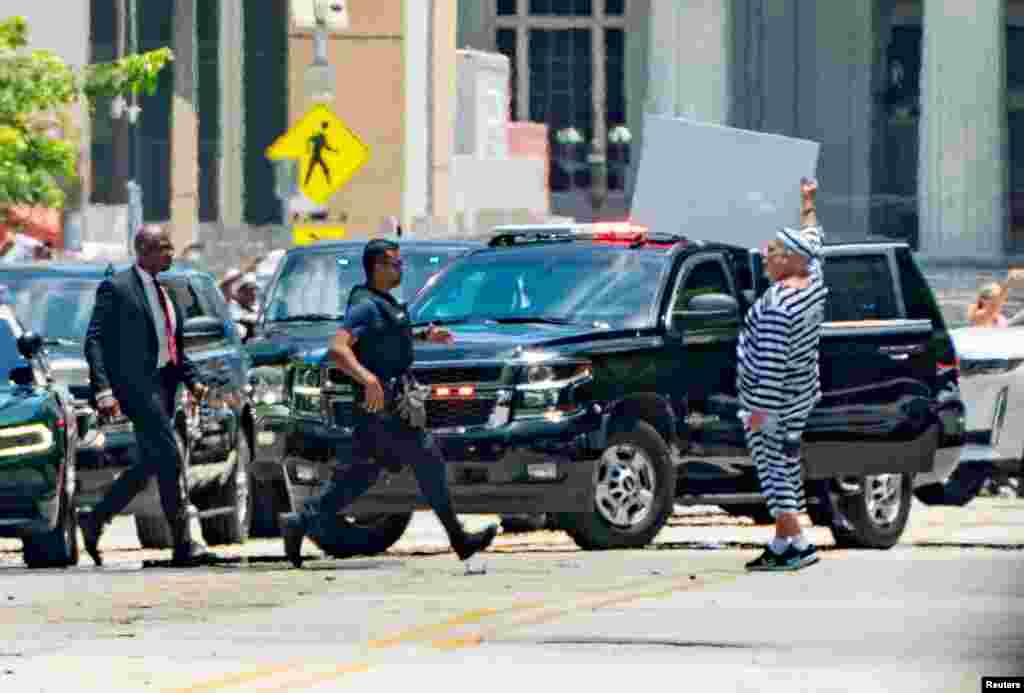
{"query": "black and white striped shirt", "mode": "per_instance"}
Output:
(778, 349)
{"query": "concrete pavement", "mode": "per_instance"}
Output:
(937, 612)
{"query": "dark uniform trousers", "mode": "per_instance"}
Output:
(381, 442)
(158, 452)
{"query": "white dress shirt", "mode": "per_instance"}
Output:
(164, 353)
(149, 284)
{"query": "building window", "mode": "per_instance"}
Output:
(1015, 121)
(506, 44)
(561, 51)
(615, 8)
(562, 8)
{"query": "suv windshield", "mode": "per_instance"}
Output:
(613, 287)
(316, 285)
(58, 309)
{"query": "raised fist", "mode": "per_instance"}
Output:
(808, 187)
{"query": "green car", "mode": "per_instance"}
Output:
(38, 440)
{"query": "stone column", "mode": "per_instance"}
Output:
(184, 129)
(232, 107)
(689, 55)
(962, 179)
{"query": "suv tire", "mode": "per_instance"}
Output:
(57, 548)
(366, 535)
(634, 476)
(879, 513)
(237, 494)
(154, 531)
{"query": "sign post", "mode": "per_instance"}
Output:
(322, 152)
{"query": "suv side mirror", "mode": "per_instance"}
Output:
(203, 328)
(30, 344)
(712, 307)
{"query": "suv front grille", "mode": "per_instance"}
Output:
(437, 376)
(449, 413)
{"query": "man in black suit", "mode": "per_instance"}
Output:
(136, 362)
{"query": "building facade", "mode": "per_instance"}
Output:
(918, 104)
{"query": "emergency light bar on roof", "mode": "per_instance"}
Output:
(622, 233)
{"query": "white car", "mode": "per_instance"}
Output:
(992, 388)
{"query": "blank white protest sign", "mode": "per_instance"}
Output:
(716, 183)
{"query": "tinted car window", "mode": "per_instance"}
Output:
(616, 287)
(860, 288)
(319, 283)
(55, 307)
(705, 277)
(9, 355)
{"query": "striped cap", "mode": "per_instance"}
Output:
(806, 241)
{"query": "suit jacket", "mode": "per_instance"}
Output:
(121, 344)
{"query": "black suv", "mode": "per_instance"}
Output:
(56, 302)
(305, 301)
(594, 377)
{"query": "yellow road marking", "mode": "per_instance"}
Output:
(544, 614)
(233, 680)
(548, 615)
(465, 618)
(321, 677)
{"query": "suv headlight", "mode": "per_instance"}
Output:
(553, 391)
(266, 385)
(25, 440)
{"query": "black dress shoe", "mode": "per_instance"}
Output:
(92, 530)
(477, 541)
(192, 554)
(293, 531)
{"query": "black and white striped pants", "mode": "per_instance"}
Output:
(775, 448)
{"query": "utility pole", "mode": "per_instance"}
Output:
(184, 128)
(120, 129)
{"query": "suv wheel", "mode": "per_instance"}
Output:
(233, 527)
(154, 531)
(633, 495)
(57, 548)
(878, 514)
(364, 535)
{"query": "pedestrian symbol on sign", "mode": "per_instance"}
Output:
(318, 143)
(327, 152)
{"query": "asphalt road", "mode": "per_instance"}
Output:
(937, 612)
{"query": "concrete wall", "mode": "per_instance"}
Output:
(370, 73)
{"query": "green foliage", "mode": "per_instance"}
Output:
(34, 163)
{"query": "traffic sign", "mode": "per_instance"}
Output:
(328, 153)
(311, 233)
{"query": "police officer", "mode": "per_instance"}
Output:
(374, 346)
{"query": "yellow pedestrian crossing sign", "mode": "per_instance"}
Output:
(328, 153)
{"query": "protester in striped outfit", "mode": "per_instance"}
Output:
(778, 379)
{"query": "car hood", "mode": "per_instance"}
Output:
(280, 341)
(488, 341)
(20, 405)
(989, 342)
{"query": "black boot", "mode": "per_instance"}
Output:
(465, 544)
(92, 530)
(293, 531)
(187, 553)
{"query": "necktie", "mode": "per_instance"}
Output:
(172, 347)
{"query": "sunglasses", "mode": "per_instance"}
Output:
(395, 262)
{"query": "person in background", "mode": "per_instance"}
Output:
(987, 311)
(244, 306)
(779, 382)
